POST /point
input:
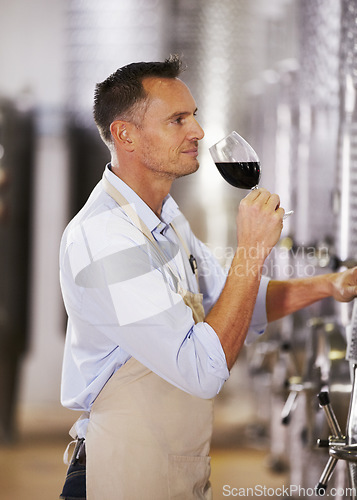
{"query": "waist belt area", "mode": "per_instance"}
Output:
(79, 454)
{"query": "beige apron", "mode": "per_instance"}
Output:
(147, 439)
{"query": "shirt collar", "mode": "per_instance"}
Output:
(169, 210)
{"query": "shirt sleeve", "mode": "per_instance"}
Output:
(259, 320)
(212, 280)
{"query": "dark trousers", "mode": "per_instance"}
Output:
(74, 487)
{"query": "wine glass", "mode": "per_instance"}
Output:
(238, 163)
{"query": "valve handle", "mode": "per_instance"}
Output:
(288, 408)
(324, 400)
(323, 443)
(321, 489)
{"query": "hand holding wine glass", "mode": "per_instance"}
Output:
(238, 163)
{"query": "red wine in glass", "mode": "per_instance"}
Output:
(236, 161)
(243, 174)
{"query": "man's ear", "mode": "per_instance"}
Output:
(121, 133)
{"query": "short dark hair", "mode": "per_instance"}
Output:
(121, 94)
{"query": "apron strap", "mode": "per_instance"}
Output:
(191, 258)
(140, 224)
(128, 209)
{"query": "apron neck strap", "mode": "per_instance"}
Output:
(140, 224)
(128, 209)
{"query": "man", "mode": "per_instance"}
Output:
(148, 346)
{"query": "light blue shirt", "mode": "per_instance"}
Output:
(122, 302)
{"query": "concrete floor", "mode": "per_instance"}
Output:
(32, 469)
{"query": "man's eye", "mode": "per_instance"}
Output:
(178, 120)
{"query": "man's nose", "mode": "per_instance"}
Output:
(197, 132)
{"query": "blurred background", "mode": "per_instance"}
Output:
(283, 74)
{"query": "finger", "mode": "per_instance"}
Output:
(280, 211)
(273, 201)
(350, 276)
(262, 198)
(351, 291)
(256, 193)
(354, 274)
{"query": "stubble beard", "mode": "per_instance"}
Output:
(170, 170)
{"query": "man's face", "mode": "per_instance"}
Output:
(167, 139)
